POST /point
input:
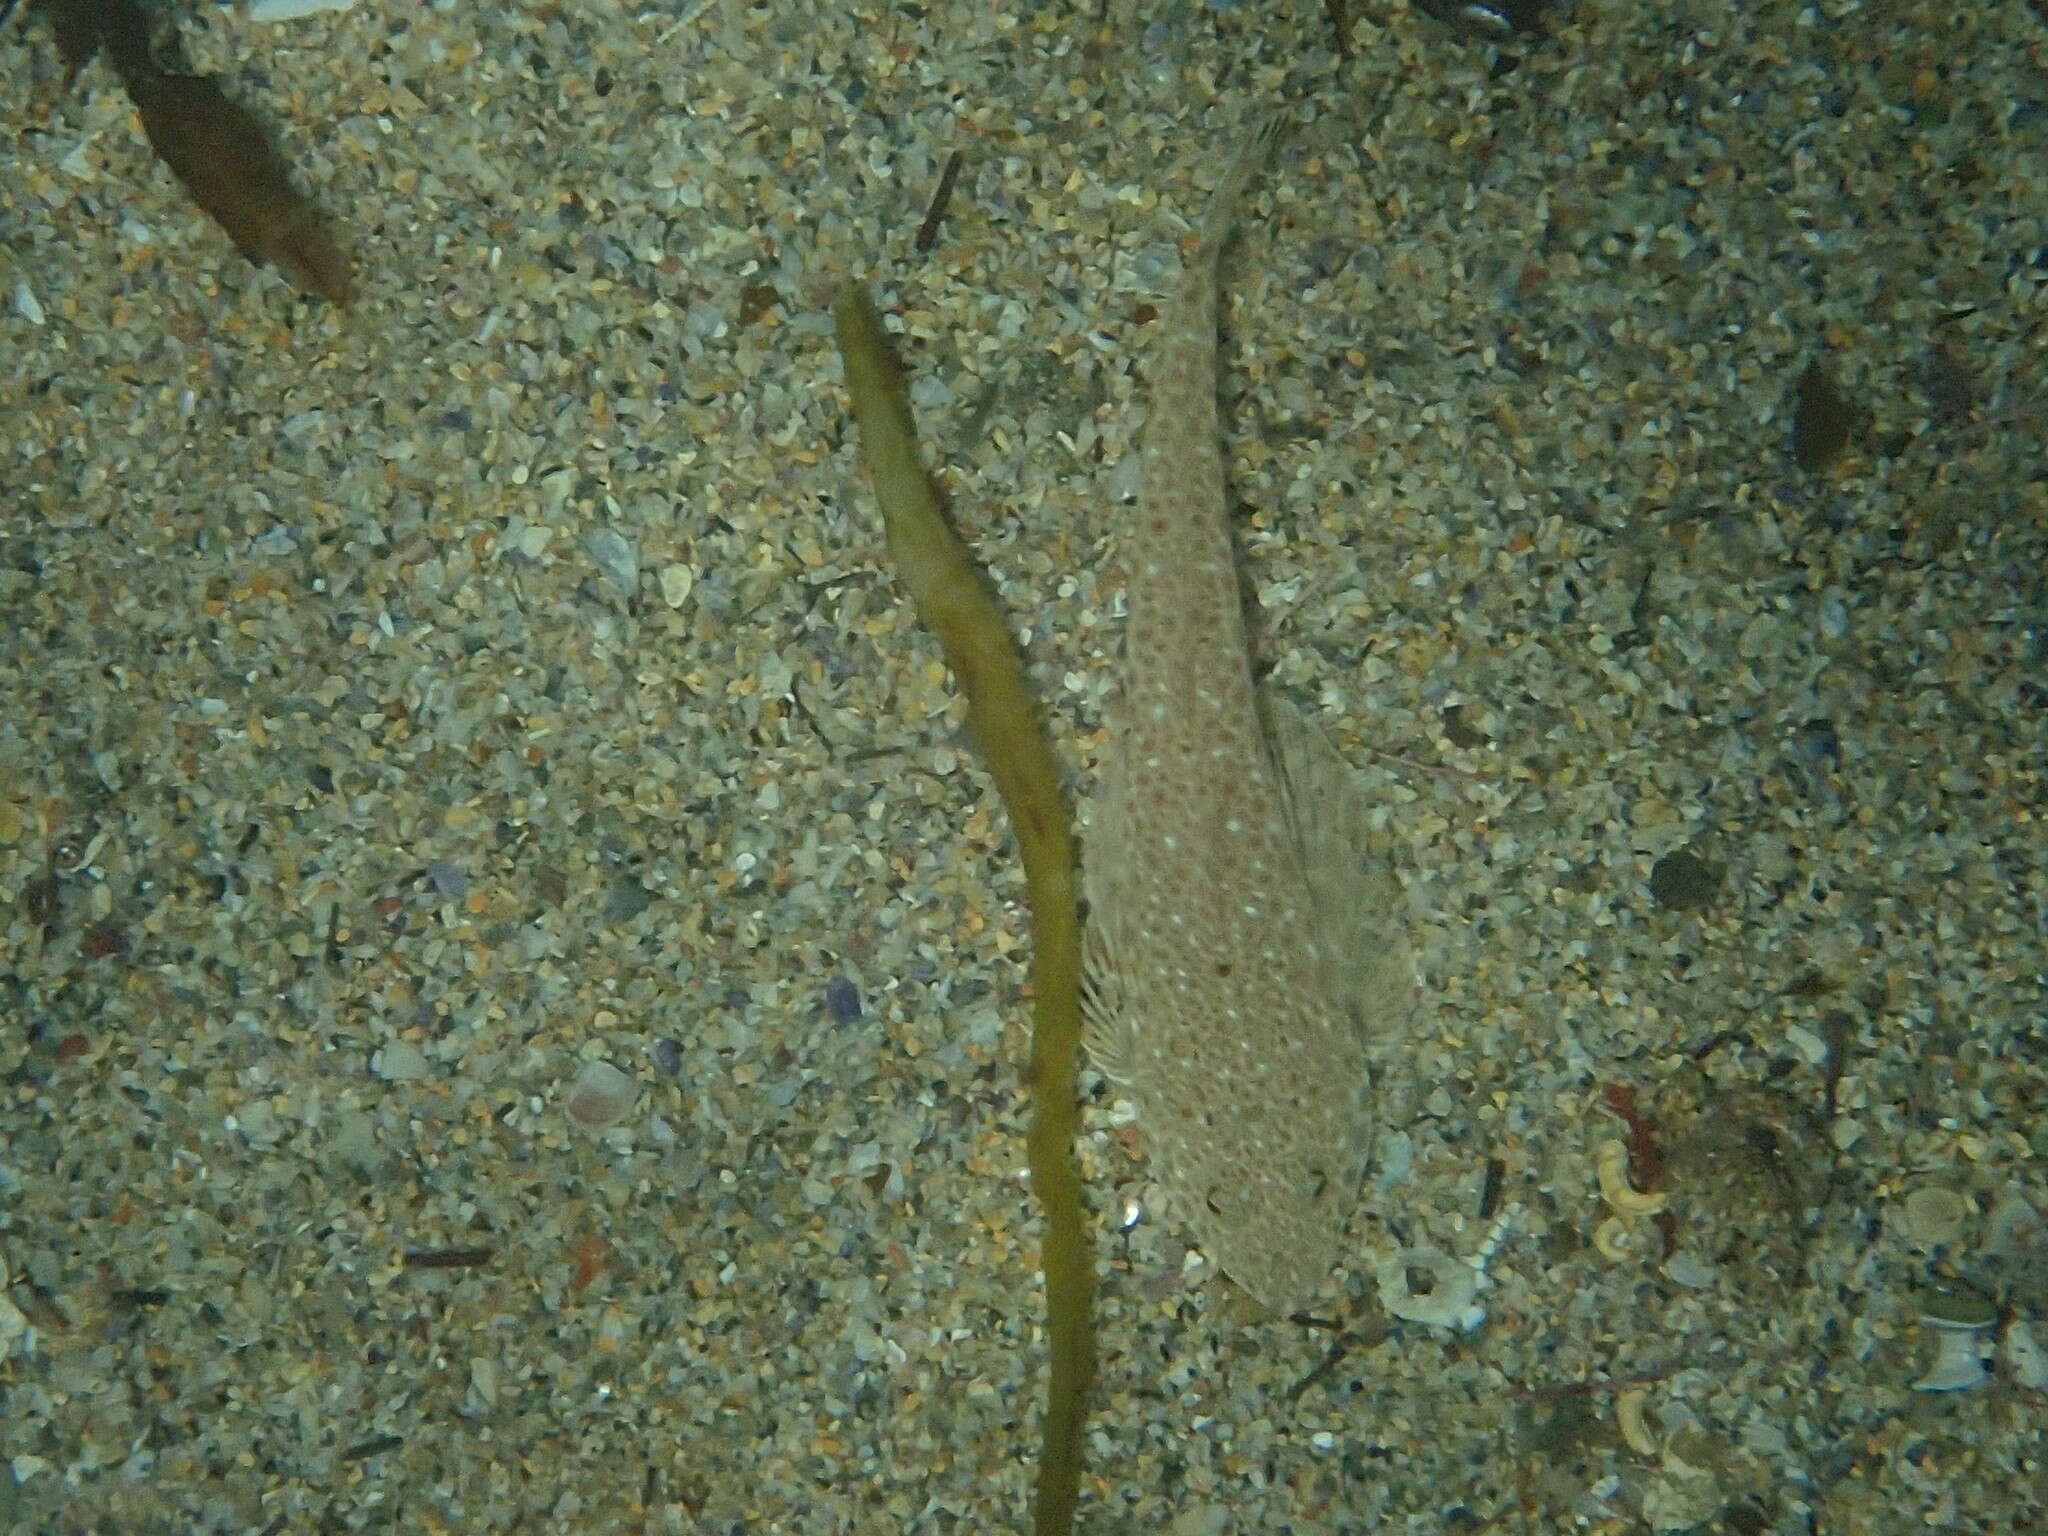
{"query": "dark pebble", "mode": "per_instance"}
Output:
(625, 899)
(842, 1001)
(1821, 420)
(1682, 880)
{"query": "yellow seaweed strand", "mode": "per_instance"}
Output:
(956, 606)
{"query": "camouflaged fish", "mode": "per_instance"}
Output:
(1239, 957)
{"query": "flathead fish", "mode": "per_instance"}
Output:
(1240, 956)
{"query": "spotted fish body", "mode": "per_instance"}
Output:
(1220, 993)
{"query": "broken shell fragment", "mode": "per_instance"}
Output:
(1619, 1240)
(1427, 1285)
(1610, 1164)
(1957, 1309)
(2026, 1361)
(2015, 1228)
(13, 1322)
(1635, 1429)
(1957, 1363)
(1958, 1322)
(601, 1095)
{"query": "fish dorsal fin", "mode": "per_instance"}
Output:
(1358, 909)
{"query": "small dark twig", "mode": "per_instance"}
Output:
(1588, 1388)
(1489, 1191)
(1645, 1159)
(1324, 1369)
(928, 231)
(1443, 769)
(447, 1258)
(1713, 1043)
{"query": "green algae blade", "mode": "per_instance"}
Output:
(956, 605)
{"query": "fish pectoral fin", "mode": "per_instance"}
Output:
(1361, 916)
(1105, 1016)
(1105, 1021)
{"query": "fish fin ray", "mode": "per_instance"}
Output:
(1105, 1016)
(1105, 1020)
(1359, 913)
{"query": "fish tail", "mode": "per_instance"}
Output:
(1228, 199)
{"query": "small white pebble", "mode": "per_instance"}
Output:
(26, 304)
(1201, 1520)
(676, 581)
(1810, 1046)
(399, 1062)
(1691, 1271)
(616, 556)
(292, 10)
(2024, 1358)
(1396, 1160)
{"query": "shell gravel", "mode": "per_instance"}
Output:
(340, 726)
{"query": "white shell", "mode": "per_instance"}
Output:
(1931, 1216)
(1619, 1240)
(1691, 1271)
(1610, 1165)
(1448, 1303)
